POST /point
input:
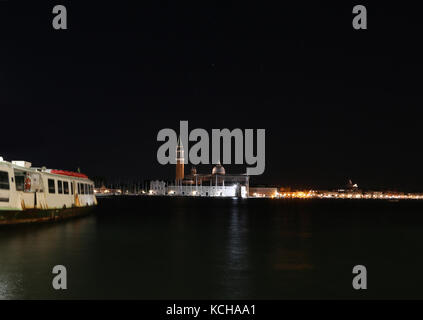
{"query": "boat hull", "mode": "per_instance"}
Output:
(37, 216)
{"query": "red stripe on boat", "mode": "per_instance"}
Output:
(69, 173)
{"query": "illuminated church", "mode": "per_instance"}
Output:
(215, 184)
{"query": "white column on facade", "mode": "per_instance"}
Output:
(216, 187)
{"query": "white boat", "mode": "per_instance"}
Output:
(29, 194)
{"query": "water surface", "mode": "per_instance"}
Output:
(202, 248)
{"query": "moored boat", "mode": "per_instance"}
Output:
(29, 194)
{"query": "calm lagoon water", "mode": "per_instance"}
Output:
(202, 248)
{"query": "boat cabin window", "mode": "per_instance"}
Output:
(66, 187)
(59, 186)
(4, 180)
(72, 185)
(82, 188)
(51, 186)
(20, 180)
(86, 188)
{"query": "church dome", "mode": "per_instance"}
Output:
(218, 169)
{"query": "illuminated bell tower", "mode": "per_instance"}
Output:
(179, 163)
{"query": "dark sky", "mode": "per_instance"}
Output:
(336, 103)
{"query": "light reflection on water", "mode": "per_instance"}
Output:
(236, 254)
(10, 285)
(29, 253)
(176, 248)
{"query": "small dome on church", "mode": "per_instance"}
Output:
(218, 169)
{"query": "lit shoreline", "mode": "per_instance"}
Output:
(343, 194)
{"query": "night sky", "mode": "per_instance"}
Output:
(336, 103)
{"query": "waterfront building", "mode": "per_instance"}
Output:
(263, 192)
(157, 188)
(215, 184)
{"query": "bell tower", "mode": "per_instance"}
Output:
(179, 162)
